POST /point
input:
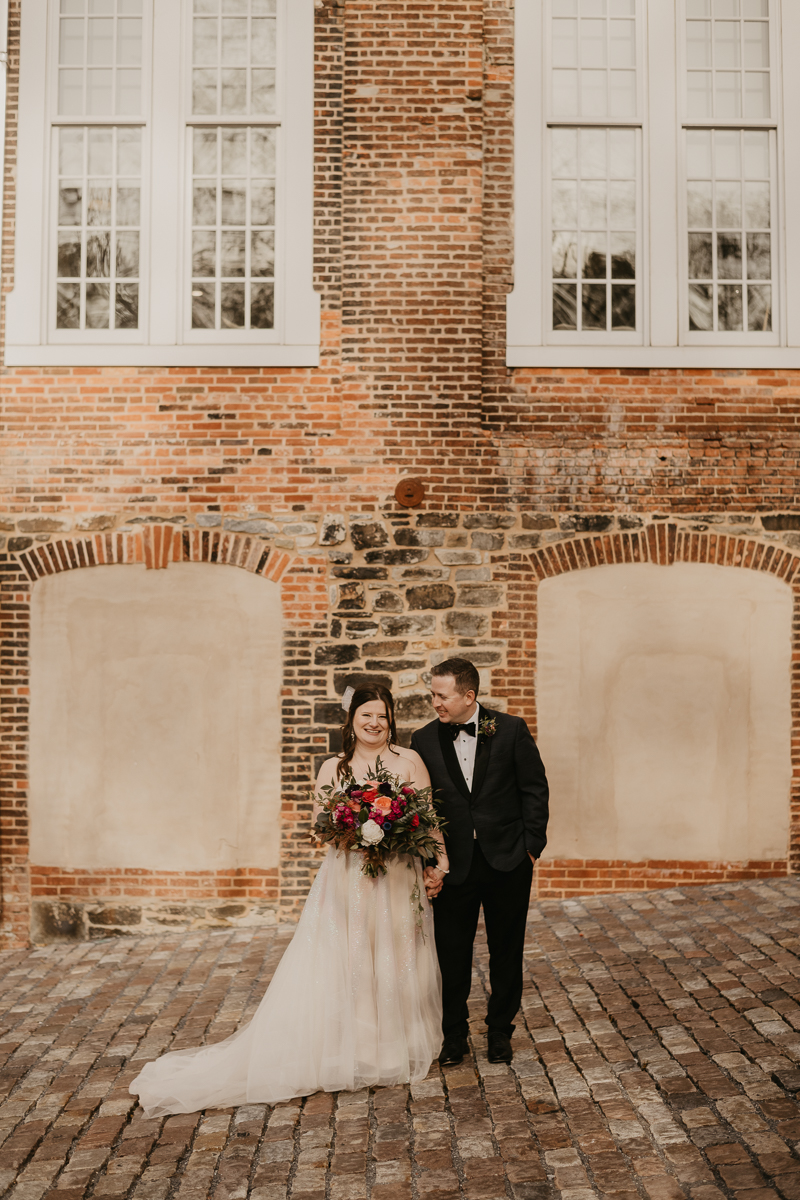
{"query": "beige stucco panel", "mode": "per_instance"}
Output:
(155, 720)
(663, 696)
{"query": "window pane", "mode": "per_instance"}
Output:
(593, 59)
(238, 245)
(759, 264)
(565, 255)
(701, 307)
(100, 50)
(623, 308)
(97, 306)
(729, 308)
(565, 306)
(262, 306)
(727, 58)
(593, 215)
(90, 248)
(233, 55)
(126, 306)
(593, 304)
(68, 306)
(759, 309)
(735, 243)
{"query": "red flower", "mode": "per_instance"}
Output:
(369, 796)
(415, 821)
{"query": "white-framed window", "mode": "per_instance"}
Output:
(656, 160)
(164, 184)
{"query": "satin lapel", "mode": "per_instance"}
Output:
(451, 760)
(482, 752)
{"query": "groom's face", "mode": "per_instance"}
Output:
(451, 706)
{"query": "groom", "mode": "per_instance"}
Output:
(492, 791)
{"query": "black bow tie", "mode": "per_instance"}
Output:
(457, 729)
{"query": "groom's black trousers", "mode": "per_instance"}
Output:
(505, 896)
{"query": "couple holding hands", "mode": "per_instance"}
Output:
(374, 984)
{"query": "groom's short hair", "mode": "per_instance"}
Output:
(464, 673)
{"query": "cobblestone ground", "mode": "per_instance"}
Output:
(656, 1059)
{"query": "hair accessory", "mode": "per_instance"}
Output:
(347, 696)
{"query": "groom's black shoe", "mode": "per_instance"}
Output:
(499, 1047)
(453, 1050)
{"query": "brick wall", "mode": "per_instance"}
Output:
(524, 471)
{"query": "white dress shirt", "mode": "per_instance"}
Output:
(466, 746)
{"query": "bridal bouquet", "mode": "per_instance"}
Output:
(382, 817)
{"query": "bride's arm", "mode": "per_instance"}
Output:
(327, 774)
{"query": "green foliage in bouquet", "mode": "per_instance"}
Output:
(381, 818)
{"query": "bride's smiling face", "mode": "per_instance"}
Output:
(371, 724)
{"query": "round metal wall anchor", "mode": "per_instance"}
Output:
(409, 493)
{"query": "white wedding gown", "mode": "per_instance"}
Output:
(355, 1002)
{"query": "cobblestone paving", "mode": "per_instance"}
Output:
(656, 1059)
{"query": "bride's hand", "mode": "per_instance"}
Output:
(433, 881)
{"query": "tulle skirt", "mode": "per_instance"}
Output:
(355, 1002)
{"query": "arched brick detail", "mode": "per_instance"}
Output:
(664, 543)
(156, 546)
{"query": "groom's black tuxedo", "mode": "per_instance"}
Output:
(491, 830)
(507, 807)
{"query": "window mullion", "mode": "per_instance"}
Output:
(167, 158)
(661, 150)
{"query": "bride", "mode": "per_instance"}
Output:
(356, 999)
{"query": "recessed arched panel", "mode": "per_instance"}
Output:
(663, 696)
(155, 718)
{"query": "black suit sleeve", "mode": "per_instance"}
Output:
(533, 790)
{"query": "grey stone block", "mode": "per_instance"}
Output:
(328, 712)
(524, 541)
(479, 595)
(482, 539)
(397, 558)
(333, 530)
(406, 625)
(453, 558)
(590, 523)
(336, 655)
(255, 525)
(484, 574)
(437, 520)
(387, 602)
(56, 921)
(385, 649)
(414, 708)
(356, 630)
(418, 537)
(489, 520)
(115, 914)
(208, 520)
(359, 572)
(433, 595)
(537, 521)
(466, 624)
(364, 534)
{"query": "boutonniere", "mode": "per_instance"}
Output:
(487, 727)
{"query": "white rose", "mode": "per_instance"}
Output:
(371, 833)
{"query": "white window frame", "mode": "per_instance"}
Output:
(666, 341)
(165, 338)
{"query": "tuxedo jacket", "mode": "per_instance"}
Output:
(507, 807)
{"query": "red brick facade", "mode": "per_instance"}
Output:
(526, 473)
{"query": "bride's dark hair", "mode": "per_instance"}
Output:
(363, 695)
